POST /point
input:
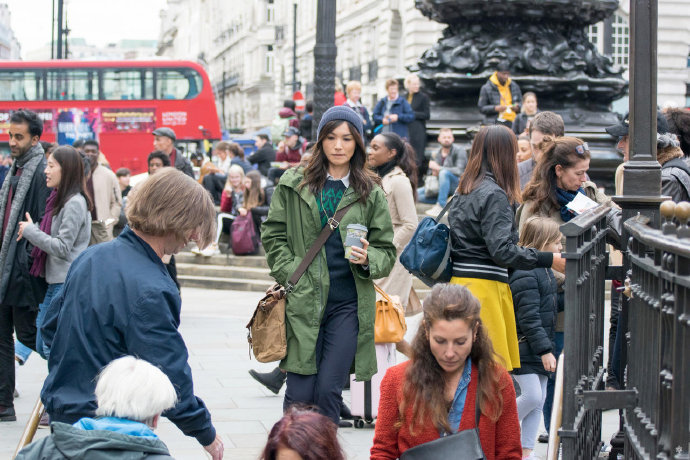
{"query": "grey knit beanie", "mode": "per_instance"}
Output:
(341, 112)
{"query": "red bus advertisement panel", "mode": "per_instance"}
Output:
(118, 103)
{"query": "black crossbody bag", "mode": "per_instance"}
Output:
(463, 445)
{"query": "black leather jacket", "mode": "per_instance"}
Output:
(484, 235)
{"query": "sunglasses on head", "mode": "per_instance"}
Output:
(582, 149)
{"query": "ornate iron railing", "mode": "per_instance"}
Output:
(658, 426)
(585, 273)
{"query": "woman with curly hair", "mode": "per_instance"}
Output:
(453, 367)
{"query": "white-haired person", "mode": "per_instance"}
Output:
(119, 299)
(131, 395)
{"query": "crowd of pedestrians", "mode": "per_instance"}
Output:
(104, 311)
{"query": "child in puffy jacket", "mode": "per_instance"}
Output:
(535, 302)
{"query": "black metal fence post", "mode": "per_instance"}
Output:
(325, 53)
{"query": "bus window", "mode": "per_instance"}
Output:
(177, 84)
(72, 85)
(121, 84)
(147, 83)
(20, 85)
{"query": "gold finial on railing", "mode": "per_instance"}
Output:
(682, 213)
(667, 209)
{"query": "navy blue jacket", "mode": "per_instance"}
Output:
(535, 301)
(117, 300)
(401, 108)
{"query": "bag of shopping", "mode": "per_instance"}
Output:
(244, 238)
(389, 325)
(431, 186)
(267, 327)
(427, 255)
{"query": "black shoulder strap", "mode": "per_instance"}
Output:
(326, 231)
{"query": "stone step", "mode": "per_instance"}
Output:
(234, 284)
(258, 261)
(224, 271)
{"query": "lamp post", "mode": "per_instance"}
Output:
(642, 172)
(325, 53)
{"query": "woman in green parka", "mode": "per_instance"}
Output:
(330, 312)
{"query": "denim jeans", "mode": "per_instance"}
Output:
(551, 383)
(447, 183)
(21, 351)
(53, 291)
(421, 196)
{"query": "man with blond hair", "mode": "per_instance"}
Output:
(118, 299)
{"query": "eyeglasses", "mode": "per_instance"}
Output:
(582, 149)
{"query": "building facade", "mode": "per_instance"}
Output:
(247, 48)
(9, 46)
(612, 37)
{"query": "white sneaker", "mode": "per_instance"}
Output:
(195, 250)
(210, 250)
(435, 211)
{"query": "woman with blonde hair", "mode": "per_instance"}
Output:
(527, 112)
(231, 200)
(452, 383)
(136, 311)
(353, 89)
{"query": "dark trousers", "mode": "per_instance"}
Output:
(214, 183)
(335, 352)
(23, 321)
(551, 383)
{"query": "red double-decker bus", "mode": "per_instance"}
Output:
(118, 103)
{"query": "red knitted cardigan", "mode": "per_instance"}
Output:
(500, 440)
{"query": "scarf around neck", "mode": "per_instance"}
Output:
(29, 163)
(506, 95)
(38, 268)
(564, 197)
(386, 168)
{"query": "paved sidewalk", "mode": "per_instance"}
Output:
(213, 325)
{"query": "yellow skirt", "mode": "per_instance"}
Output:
(498, 316)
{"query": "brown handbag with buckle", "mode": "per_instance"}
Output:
(266, 330)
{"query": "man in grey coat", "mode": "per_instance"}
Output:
(24, 191)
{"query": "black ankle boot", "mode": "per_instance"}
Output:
(273, 380)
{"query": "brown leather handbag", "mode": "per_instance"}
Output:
(266, 330)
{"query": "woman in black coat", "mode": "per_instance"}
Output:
(419, 102)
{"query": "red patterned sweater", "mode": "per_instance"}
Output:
(500, 440)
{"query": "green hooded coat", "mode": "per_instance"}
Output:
(293, 224)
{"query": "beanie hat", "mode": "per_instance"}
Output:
(341, 112)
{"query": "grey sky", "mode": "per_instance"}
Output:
(98, 21)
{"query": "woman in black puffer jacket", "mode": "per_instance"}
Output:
(535, 300)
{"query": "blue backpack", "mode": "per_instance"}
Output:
(427, 255)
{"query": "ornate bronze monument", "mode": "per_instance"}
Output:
(546, 46)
